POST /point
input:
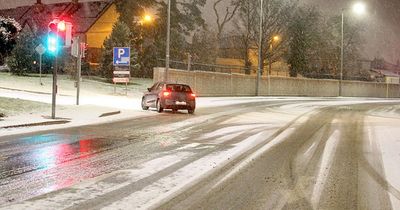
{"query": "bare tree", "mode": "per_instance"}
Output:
(223, 18)
(277, 14)
(243, 27)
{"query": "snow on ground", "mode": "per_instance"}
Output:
(387, 134)
(12, 107)
(66, 85)
(96, 98)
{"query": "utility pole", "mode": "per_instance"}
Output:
(260, 56)
(168, 41)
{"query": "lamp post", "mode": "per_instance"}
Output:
(168, 41)
(274, 39)
(359, 8)
(145, 20)
(260, 60)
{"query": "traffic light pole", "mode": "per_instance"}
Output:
(54, 93)
(78, 72)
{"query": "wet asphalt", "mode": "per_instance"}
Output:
(34, 164)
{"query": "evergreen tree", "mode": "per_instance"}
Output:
(304, 38)
(9, 30)
(131, 13)
(120, 37)
(186, 17)
(21, 61)
(203, 47)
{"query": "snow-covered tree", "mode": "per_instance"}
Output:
(9, 29)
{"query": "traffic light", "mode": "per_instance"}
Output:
(53, 41)
(65, 32)
(84, 47)
(59, 35)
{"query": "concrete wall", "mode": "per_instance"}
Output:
(222, 84)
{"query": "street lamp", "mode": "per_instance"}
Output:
(147, 19)
(274, 39)
(359, 8)
(168, 41)
(260, 59)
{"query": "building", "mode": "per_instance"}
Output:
(232, 51)
(384, 71)
(92, 21)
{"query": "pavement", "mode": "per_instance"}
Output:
(92, 110)
(233, 153)
(274, 153)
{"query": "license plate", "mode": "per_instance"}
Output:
(180, 103)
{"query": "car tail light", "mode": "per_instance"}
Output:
(193, 95)
(166, 94)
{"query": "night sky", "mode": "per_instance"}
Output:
(382, 31)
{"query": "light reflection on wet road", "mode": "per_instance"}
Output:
(36, 164)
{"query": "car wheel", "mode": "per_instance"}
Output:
(144, 107)
(191, 111)
(159, 107)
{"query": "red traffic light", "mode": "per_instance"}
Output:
(53, 27)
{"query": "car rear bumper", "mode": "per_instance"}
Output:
(172, 104)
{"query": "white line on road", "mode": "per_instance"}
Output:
(326, 163)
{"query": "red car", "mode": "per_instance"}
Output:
(169, 96)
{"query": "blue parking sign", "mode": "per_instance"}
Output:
(121, 56)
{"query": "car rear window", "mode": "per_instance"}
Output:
(178, 88)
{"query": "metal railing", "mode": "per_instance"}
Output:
(208, 67)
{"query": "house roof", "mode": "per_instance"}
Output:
(386, 73)
(83, 15)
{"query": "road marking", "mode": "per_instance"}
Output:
(102, 185)
(189, 146)
(324, 169)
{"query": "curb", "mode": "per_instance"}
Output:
(110, 114)
(37, 124)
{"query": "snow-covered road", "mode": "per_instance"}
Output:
(245, 153)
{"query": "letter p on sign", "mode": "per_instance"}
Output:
(121, 52)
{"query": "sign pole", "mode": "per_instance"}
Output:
(40, 69)
(115, 88)
(121, 66)
(40, 49)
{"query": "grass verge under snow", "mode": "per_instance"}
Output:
(12, 107)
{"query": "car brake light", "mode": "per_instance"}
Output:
(193, 95)
(166, 94)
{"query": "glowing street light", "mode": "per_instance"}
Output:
(359, 8)
(147, 19)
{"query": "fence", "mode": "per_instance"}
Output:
(226, 84)
(208, 67)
